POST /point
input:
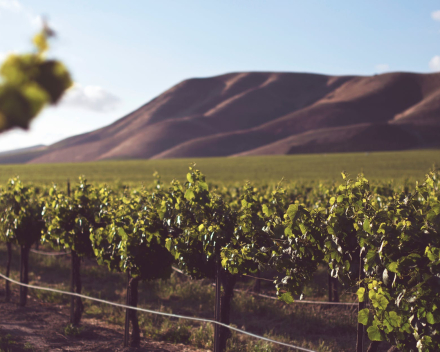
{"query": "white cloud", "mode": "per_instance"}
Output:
(91, 97)
(16, 7)
(11, 5)
(381, 68)
(434, 63)
(35, 20)
(435, 15)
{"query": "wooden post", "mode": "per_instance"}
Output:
(24, 278)
(257, 284)
(361, 305)
(72, 286)
(218, 291)
(228, 282)
(21, 273)
(330, 290)
(127, 314)
(72, 274)
(8, 269)
(335, 285)
(79, 307)
(135, 337)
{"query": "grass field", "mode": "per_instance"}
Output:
(383, 166)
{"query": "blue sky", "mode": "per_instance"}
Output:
(124, 53)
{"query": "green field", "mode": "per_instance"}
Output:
(379, 166)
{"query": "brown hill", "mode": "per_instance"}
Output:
(268, 113)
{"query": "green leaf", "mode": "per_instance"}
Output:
(287, 297)
(189, 177)
(54, 78)
(292, 210)
(380, 301)
(40, 41)
(361, 294)
(366, 226)
(371, 257)
(168, 243)
(36, 97)
(121, 232)
(364, 316)
(393, 267)
(266, 210)
(430, 318)
(189, 194)
(374, 334)
(394, 319)
(203, 185)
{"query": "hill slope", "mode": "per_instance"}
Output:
(258, 113)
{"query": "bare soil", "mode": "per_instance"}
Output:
(40, 327)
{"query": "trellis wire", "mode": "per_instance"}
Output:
(158, 313)
(276, 298)
(237, 290)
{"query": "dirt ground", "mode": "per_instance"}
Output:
(40, 327)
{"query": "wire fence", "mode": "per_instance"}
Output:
(276, 298)
(52, 254)
(171, 315)
(236, 290)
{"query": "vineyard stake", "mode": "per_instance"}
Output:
(24, 266)
(330, 290)
(257, 284)
(361, 305)
(8, 268)
(21, 272)
(72, 274)
(72, 287)
(217, 301)
(335, 285)
(127, 313)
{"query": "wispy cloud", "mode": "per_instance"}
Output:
(381, 68)
(434, 63)
(435, 15)
(15, 6)
(11, 5)
(35, 20)
(92, 98)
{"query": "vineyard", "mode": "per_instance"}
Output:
(379, 242)
(400, 166)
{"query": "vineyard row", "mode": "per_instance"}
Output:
(383, 241)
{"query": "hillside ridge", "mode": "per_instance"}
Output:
(259, 113)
